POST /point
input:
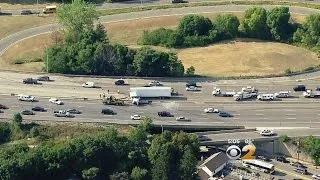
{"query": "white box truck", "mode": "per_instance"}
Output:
(150, 92)
(88, 85)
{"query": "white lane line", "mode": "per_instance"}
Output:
(291, 118)
(259, 110)
(291, 114)
(264, 118)
(234, 118)
(289, 110)
(259, 114)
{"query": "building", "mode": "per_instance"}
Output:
(211, 166)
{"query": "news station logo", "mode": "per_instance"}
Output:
(234, 152)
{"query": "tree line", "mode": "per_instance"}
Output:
(275, 25)
(83, 48)
(134, 156)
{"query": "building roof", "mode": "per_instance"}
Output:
(215, 161)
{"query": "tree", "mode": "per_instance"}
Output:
(190, 71)
(124, 58)
(188, 164)
(76, 18)
(309, 33)
(5, 132)
(34, 131)
(313, 146)
(285, 138)
(119, 176)
(17, 118)
(254, 23)
(227, 25)
(139, 173)
(91, 173)
(278, 22)
(195, 25)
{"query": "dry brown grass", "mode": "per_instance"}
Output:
(12, 24)
(128, 32)
(242, 57)
(24, 4)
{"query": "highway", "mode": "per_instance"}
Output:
(291, 112)
(7, 42)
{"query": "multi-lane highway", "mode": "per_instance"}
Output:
(291, 112)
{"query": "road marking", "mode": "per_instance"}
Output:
(291, 118)
(234, 118)
(264, 118)
(260, 114)
(291, 114)
(259, 110)
(289, 110)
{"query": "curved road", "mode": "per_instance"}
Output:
(19, 36)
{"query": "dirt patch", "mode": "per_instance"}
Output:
(12, 24)
(243, 58)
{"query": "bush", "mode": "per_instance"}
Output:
(19, 61)
(191, 41)
(36, 60)
(190, 71)
(157, 37)
(288, 71)
(285, 138)
(5, 132)
(309, 68)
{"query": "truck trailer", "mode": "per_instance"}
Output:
(150, 92)
(311, 94)
(217, 92)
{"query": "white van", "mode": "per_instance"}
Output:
(49, 9)
(88, 85)
(263, 97)
(22, 97)
(282, 94)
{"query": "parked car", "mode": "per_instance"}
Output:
(224, 114)
(165, 114)
(43, 78)
(119, 82)
(3, 106)
(182, 118)
(316, 176)
(30, 81)
(266, 132)
(135, 117)
(211, 110)
(281, 159)
(73, 111)
(108, 112)
(27, 112)
(38, 108)
(26, 12)
(299, 88)
(28, 98)
(56, 101)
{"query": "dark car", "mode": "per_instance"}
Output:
(73, 111)
(108, 112)
(27, 112)
(191, 83)
(318, 88)
(297, 164)
(30, 81)
(26, 12)
(3, 106)
(43, 78)
(281, 159)
(299, 88)
(119, 82)
(164, 114)
(224, 114)
(178, 1)
(1, 111)
(38, 108)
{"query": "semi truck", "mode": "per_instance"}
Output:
(217, 92)
(111, 100)
(250, 89)
(311, 94)
(151, 92)
(244, 95)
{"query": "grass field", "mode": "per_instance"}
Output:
(128, 32)
(12, 24)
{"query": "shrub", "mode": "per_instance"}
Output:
(285, 138)
(309, 68)
(190, 71)
(157, 37)
(288, 71)
(19, 61)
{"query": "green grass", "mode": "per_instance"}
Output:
(167, 6)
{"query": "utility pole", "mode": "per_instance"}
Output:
(47, 63)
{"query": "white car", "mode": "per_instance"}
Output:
(211, 110)
(182, 119)
(55, 101)
(155, 83)
(192, 88)
(266, 132)
(26, 98)
(135, 117)
(316, 176)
